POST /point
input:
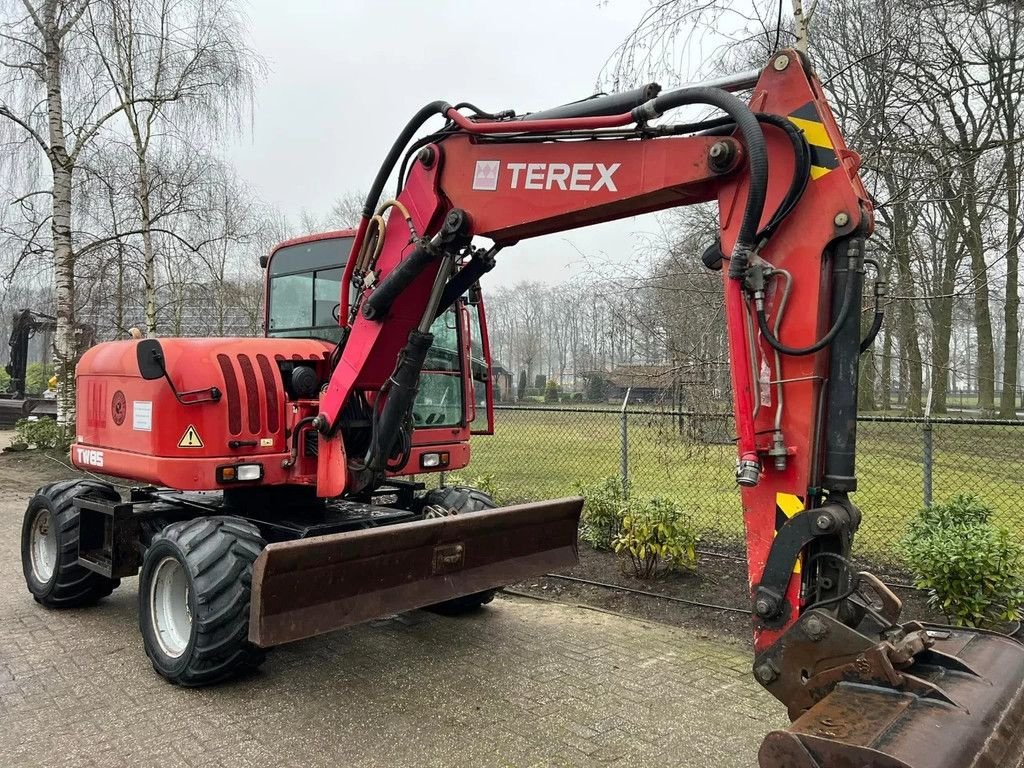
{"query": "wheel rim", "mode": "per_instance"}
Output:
(169, 608)
(43, 545)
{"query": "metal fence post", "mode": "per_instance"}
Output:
(624, 448)
(926, 490)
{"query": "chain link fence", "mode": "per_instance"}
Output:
(902, 464)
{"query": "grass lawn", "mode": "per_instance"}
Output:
(540, 454)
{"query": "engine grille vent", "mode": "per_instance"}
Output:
(245, 396)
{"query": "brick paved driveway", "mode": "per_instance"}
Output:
(523, 683)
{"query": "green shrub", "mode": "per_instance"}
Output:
(965, 509)
(603, 510)
(596, 390)
(37, 378)
(551, 391)
(5, 379)
(41, 433)
(657, 536)
(521, 386)
(971, 568)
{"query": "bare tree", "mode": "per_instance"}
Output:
(176, 67)
(60, 110)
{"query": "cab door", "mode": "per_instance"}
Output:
(479, 369)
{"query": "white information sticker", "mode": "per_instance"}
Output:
(142, 415)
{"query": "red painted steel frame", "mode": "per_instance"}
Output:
(649, 175)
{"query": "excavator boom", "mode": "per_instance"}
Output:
(861, 687)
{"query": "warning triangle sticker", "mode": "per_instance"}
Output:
(190, 439)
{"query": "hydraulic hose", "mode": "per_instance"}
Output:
(801, 159)
(594, 106)
(377, 188)
(748, 468)
(801, 172)
(880, 291)
(876, 326)
(384, 173)
(824, 341)
(757, 155)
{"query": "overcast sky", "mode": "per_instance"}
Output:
(344, 77)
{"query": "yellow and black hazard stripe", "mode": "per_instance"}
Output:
(823, 154)
(786, 506)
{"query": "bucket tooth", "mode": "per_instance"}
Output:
(860, 724)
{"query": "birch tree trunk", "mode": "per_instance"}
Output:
(61, 166)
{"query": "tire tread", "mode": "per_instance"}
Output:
(75, 585)
(219, 554)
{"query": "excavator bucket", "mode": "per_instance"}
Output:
(310, 586)
(959, 705)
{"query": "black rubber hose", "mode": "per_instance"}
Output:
(757, 158)
(876, 326)
(802, 161)
(824, 341)
(594, 106)
(876, 323)
(377, 188)
(801, 172)
(415, 147)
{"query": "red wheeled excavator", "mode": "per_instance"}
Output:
(278, 502)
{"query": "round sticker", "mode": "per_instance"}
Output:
(118, 408)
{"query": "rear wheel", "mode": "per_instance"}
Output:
(194, 596)
(49, 546)
(461, 500)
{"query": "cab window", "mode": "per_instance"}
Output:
(439, 400)
(305, 286)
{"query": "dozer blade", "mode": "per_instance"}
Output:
(973, 719)
(310, 586)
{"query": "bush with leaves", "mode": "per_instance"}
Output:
(603, 509)
(657, 536)
(37, 378)
(551, 391)
(38, 433)
(972, 569)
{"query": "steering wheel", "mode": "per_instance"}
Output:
(336, 312)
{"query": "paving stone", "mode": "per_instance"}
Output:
(522, 683)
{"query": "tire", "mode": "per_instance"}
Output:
(462, 499)
(194, 596)
(49, 546)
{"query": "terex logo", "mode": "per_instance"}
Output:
(575, 177)
(89, 456)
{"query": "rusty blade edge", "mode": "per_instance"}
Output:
(289, 626)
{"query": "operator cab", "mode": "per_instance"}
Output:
(303, 289)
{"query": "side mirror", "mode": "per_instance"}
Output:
(151, 359)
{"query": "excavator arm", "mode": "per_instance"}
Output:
(861, 688)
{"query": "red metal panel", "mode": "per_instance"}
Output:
(534, 193)
(155, 422)
(798, 247)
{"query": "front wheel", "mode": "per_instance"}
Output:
(194, 596)
(461, 500)
(49, 546)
